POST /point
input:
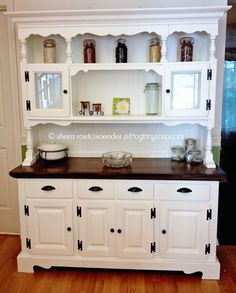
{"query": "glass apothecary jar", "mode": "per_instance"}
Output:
(177, 153)
(190, 144)
(186, 49)
(194, 156)
(154, 50)
(49, 51)
(151, 91)
(89, 51)
(121, 51)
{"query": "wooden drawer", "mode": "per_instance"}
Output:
(133, 190)
(96, 189)
(183, 191)
(48, 188)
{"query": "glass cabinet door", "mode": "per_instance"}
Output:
(186, 89)
(48, 90)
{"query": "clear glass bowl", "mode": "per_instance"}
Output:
(117, 159)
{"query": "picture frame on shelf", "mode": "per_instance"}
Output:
(121, 106)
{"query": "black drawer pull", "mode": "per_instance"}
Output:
(135, 189)
(48, 188)
(184, 190)
(95, 188)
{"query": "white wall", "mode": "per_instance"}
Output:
(94, 4)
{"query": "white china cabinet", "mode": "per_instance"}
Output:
(53, 92)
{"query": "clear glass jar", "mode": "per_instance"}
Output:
(154, 50)
(151, 90)
(177, 153)
(194, 156)
(121, 51)
(89, 51)
(186, 49)
(190, 143)
(49, 51)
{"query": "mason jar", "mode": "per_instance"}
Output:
(49, 51)
(177, 153)
(151, 90)
(194, 156)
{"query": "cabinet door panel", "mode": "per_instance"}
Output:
(50, 226)
(94, 228)
(136, 229)
(184, 230)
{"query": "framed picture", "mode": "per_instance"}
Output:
(121, 106)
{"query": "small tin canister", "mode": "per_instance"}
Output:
(49, 52)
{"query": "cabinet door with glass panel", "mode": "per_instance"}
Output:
(47, 90)
(187, 89)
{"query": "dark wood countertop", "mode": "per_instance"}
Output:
(141, 168)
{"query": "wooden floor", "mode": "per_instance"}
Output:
(61, 280)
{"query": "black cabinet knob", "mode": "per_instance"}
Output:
(135, 189)
(112, 230)
(184, 190)
(48, 188)
(119, 231)
(168, 91)
(65, 91)
(163, 231)
(69, 229)
(95, 188)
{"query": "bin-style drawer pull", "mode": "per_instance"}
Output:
(48, 188)
(135, 189)
(95, 188)
(184, 190)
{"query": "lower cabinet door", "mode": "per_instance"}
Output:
(49, 224)
(184, 230)
(96, 228)
(134, 229)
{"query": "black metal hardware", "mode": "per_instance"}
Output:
(26, 76)
(135, 189)
(208, 104)
(65, 91)
(209, 214)
(207, 248)
(112, 230)
(95, 188)
(184, 190)
(153, 247)
(119, 231)
(209, 74)
(68, 229)
(163, 231)
(48, 188)
(26, 210)
(80, 245)
(79, 212)
(28, 243)
(28, 105)
(168, 91)
(153, 213)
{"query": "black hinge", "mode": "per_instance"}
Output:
(26, 76)
(208, 104)
(28, 243)
(209, 74)
(153, 247)
(79, 212)
(26, 210)
(207, 248)
(153, 213)
(28, 105)
(80, 245)
(209, 214)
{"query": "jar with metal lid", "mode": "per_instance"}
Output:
(151, 90)
(121, 51)
(154, 50)
(177, 153)
(186, 49)
(89, 51)
(49, 52)
(190, 143)
(194, 156)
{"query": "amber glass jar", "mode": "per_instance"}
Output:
(154, 50)
(89, 51)
(186, 49)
